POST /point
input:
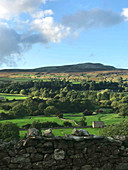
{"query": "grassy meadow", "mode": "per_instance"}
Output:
(30, 119)
(62, 132)
(13, 96)
(108, 119)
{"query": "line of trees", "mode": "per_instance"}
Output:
(68, 101)
(40, 87)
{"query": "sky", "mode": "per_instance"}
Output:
(38, 33)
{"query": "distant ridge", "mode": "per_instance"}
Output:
(83, 67)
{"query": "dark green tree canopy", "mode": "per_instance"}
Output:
(120, 129)
(9, 131)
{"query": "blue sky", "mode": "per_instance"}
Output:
(59, 32)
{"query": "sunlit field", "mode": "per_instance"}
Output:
(62, 132)
(13, 96)
(108, 119)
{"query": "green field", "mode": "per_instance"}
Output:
(10, 101)
(75, 82)
(108, 119)
(62, 132)
(27, 78)
(13, 96)
(7, 79)
(26, 120)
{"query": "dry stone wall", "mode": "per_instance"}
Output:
(65, 153)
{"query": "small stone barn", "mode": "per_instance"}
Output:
(98, 124)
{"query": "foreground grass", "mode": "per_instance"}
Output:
(62, 132)
(108, 119)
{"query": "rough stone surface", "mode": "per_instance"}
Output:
(107, 166)
(122, 166)
(80, 132)
(86, 167)
(48, 133)
(65, 153)
(59, 154)
(33, 132)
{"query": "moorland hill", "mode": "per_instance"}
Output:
(83, 67)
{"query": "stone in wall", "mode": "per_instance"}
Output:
(33, 132)
(59, 154)
(65, 153)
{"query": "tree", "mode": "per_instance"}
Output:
(86, 112)
(87, 104)
(31, 105)
(82, 121)
(50, 110)
(115, 105)
(105, 103)
(41, 108)
(67, 124)
(36, 124)
(124, 99)
(9, 131)
(6, 107)
(36, 93)
(123, 110)
(120, 80)
(3, 116)
(105, 94)
(120, 129)
(23, 92)
(59, 115)
(50, 102)
(18, 111)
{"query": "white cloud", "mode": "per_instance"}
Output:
(125, 13)
(38, 26)
(48, 12)
(53, 32)
(13, 44)
(40, 14)
(11, 8)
